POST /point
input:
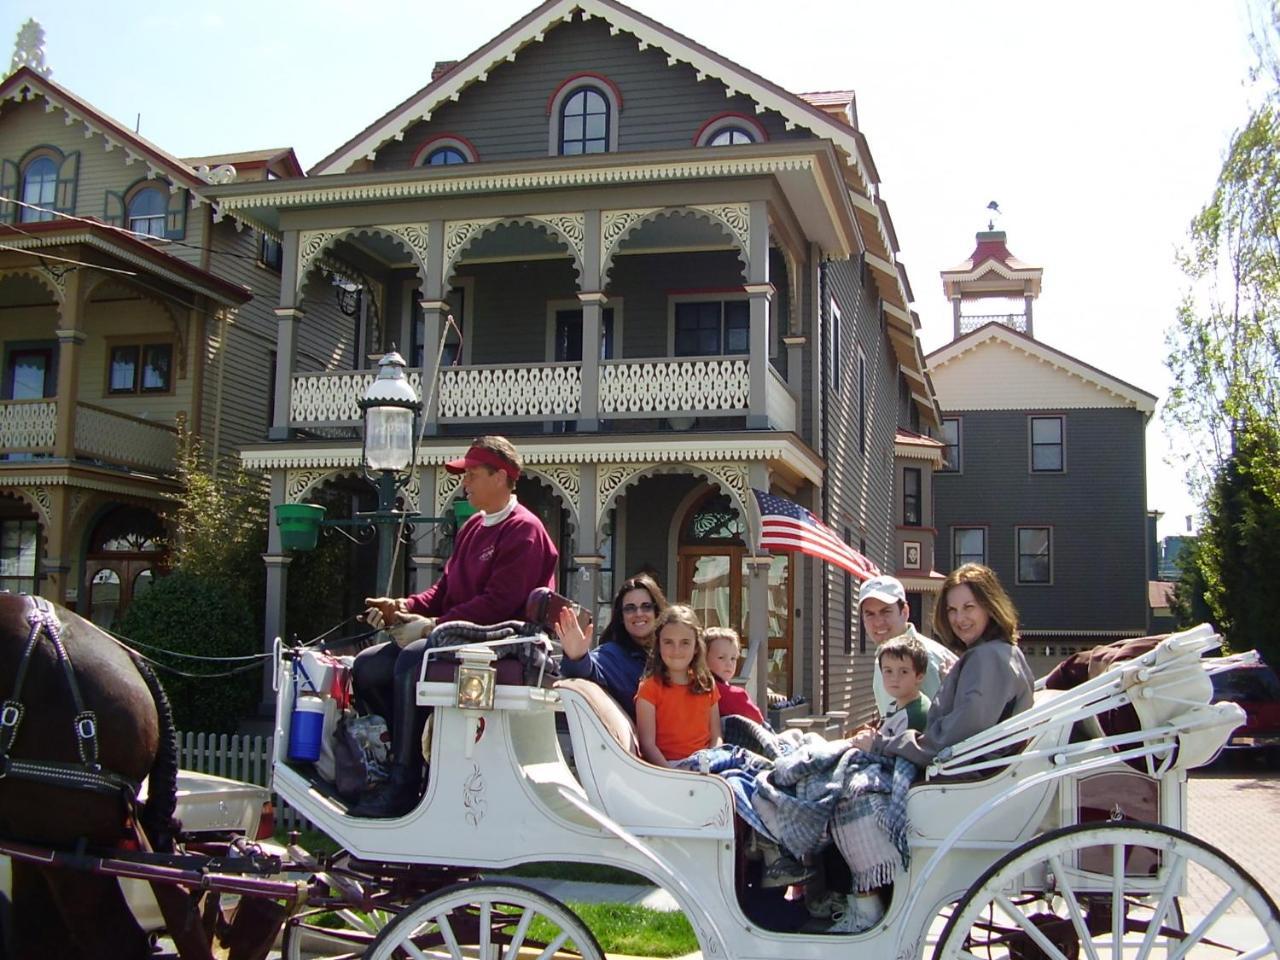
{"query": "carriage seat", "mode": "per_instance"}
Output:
(646, 799)
(936, 806)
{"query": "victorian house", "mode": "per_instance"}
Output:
(670, 281)
(125, 310)
(1045, 464)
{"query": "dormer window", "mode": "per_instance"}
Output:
(584, 116)
(44, 183)
(729, 130)
(148, 208)
(39, 184)
(445, 151)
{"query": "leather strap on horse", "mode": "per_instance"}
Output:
(88, 775)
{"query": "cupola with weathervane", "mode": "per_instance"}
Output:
(992, 285)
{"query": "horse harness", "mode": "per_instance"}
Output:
(88, 774)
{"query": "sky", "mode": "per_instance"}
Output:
(1098, 127)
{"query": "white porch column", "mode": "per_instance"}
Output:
(758, 603)
(586, 549)
(592, 314)
(760, 291)
(288, 316)
(277, 562)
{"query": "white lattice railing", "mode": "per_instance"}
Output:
(527, 392)
(120, 438)
(28, 425)
(692, 386)
(330, 399)
(706, 385)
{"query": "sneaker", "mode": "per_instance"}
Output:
(862, 914)
(786, 871)
(828, 906)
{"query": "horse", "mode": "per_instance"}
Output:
(61, 912)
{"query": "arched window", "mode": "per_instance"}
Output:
(583, 114)
(730, 136)
(147, 210)
(443, 156)
(39, 188)
(445, 150)
(584, 123)
(728, 130)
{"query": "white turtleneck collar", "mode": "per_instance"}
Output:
(492, 519)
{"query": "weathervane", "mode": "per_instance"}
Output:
(995, 212)
(28, 50)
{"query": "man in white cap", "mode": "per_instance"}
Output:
(882, 604)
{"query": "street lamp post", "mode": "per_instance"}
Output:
(390, 408)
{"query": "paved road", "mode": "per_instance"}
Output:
(1237, 811)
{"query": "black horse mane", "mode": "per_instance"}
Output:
(156, 817)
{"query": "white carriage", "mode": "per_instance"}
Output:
(1072, 847)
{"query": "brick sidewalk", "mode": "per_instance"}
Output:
(1239, 813)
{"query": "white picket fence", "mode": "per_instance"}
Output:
(240, 758)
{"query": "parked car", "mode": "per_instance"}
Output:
(211, 809)
(1249, 682)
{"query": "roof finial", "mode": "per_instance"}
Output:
(28, 50)
(995, 211)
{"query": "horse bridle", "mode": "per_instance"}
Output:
(88, 774)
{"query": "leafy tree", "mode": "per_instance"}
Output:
(1224, 353)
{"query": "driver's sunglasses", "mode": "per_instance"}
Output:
(630, 608)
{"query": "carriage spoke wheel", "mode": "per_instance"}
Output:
(1113, 891)
(486, 921)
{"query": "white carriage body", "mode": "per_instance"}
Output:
(500, 793)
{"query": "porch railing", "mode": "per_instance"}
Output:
(120, 438)
(688, 386)
(28, 426)
(330, 399)
(666, 387)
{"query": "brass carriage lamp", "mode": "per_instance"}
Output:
(390, 407)
(477, 679)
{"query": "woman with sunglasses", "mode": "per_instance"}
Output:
(618, 662)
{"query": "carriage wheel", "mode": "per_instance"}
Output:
(1112, 891)
(491, 921)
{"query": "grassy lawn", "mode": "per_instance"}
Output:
(639, 931)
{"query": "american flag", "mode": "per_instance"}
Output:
(789, 526)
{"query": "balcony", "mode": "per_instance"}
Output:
(535, 392)
(99, 434)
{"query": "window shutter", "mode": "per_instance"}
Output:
(8, 188)
(113, 209)
(64, 200)
(175, 222)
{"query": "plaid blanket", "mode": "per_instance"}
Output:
(533, 652)
(823, 790)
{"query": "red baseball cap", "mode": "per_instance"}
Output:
(483, 457)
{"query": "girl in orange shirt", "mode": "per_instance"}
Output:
(676, 704)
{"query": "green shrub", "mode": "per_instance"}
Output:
(186, 613)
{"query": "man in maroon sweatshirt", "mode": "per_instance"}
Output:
(500, 555)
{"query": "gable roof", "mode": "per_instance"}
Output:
(962, 386)
(531, 28)
(25, 84)
(279, 157)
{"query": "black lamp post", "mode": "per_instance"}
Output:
(390, 408)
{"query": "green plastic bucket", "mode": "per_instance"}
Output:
(299, 525)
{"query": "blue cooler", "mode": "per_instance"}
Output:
(305, 728)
